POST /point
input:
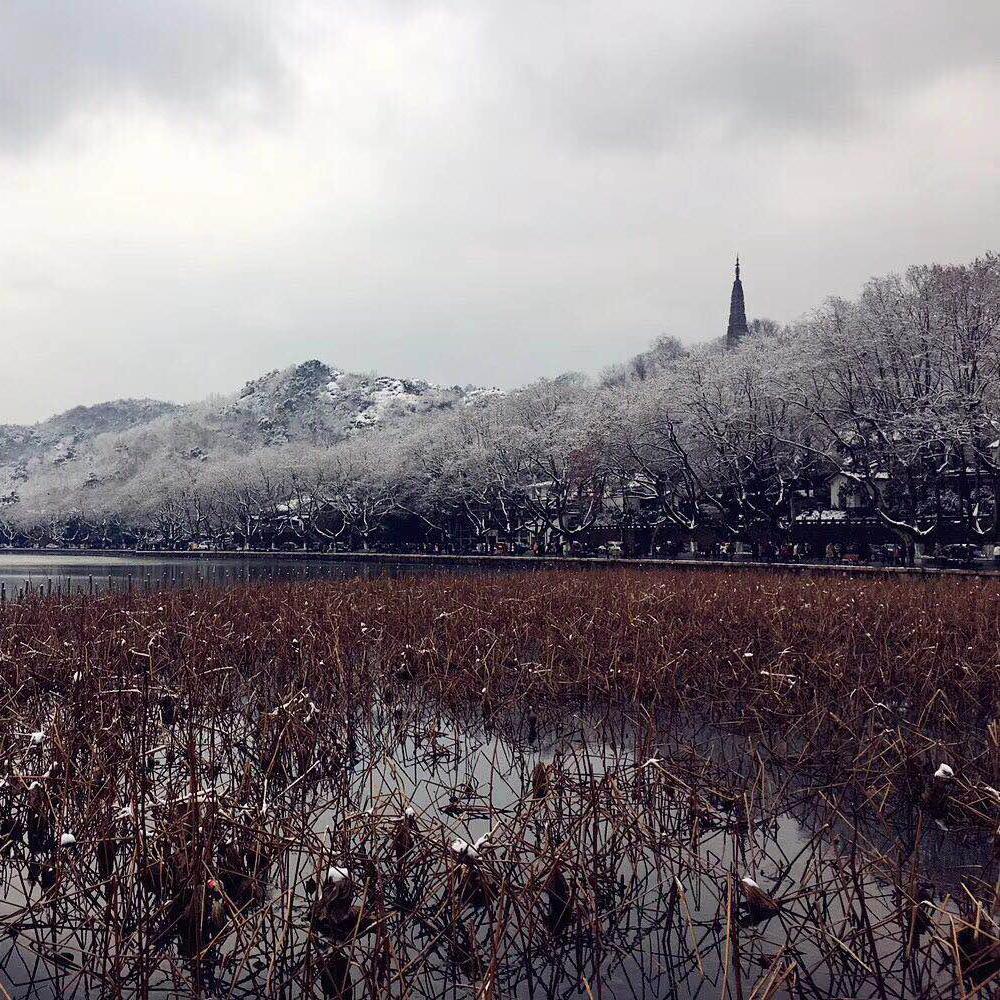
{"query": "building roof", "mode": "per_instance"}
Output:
(821, 516)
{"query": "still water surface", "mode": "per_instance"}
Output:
(73, 572)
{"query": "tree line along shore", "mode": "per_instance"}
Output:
(871, 425)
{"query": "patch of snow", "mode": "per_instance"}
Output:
(464, 850)
(474, 396)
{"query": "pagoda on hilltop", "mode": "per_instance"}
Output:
(737, 328)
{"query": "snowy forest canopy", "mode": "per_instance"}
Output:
(896, 393)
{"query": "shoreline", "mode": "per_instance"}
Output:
(508, 561)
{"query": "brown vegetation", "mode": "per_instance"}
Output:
(635, 780)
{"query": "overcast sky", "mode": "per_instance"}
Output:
(196, 191)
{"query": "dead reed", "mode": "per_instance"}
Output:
(620, 783)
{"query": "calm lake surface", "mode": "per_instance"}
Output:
(72, 572)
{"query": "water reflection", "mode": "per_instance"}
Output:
(413, 853)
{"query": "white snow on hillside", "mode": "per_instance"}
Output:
(78, 457)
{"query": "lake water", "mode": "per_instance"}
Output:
(83, 572)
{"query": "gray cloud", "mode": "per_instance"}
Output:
(638, 74)
(645, 74)
(62, 57)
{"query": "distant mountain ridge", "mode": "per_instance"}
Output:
(58, 438)
(76, 455)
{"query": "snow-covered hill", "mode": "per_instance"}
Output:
(25, 450)
(88, 455)
(320, 404)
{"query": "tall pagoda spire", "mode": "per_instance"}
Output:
(737, 329)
